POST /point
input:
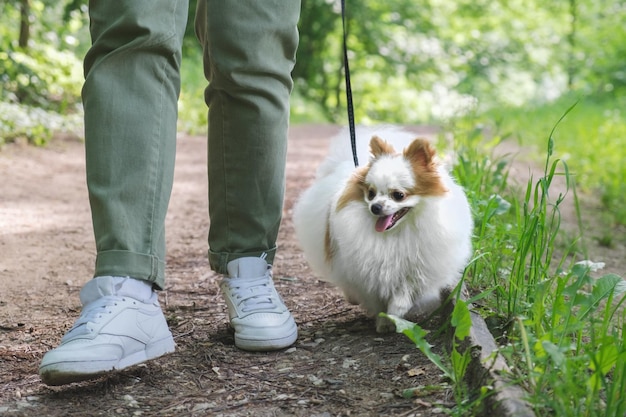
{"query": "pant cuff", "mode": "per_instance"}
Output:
(136, 265)
(219, 260)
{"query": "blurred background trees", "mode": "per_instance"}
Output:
(511, 66)
(41, 44)
(412, 61)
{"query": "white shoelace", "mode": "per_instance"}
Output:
(256, 294)
(93, 313)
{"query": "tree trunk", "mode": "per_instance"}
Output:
(24, 23)
(571, 39)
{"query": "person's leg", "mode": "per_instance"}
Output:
(249, 52)
(130, 99)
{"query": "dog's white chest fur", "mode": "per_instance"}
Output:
(427, 238)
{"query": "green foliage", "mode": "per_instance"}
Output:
(35, 125)
(418, 336)
(574, 353)
(459, 360)
(192, 110)
(563, 328)
(598, 39)
(411, 62)
(40, 81)
(538, 224)
(592, 141)
(42, 76)
(484, 174)
(416, 62)
(461, 322)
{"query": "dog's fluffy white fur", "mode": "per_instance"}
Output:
(391, 233)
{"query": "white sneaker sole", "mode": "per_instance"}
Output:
(263, 345)
(62, 373)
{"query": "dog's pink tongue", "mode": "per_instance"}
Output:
(382, 223)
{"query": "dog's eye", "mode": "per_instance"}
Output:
(398, 195)
(371, 194)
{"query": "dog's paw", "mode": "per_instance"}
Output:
(385, 325)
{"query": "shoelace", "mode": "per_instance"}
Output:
(255, 294)
(93, 313)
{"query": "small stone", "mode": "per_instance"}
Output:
(203, 406)
(316, 381)
(23, 404)
(349, 363)
(130, 400)
(335, 381)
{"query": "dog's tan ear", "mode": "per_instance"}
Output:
(421, 155)
(379, 147)
(420, 152)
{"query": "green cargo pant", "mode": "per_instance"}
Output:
(130, 95)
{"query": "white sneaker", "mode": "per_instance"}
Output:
(261, 320)
(121, 324)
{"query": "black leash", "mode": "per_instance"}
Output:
(348, 85)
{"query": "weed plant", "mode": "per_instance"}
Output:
(560, 327)
(593, 136)
(455, 368)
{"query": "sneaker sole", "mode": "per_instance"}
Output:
(264, 345)
(67, 372)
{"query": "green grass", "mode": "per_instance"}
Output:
(455, 367)
(560, 323)
(592, 140)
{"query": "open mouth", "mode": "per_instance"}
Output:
(385, 223)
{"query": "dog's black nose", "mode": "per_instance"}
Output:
(376, 209)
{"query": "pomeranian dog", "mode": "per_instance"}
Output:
(391, 233)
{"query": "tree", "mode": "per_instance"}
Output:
(24, 24)
(410, 58)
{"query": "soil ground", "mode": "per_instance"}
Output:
(338, 366)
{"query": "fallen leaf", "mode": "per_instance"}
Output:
(416, 372)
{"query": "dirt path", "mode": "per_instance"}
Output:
(339, 365)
